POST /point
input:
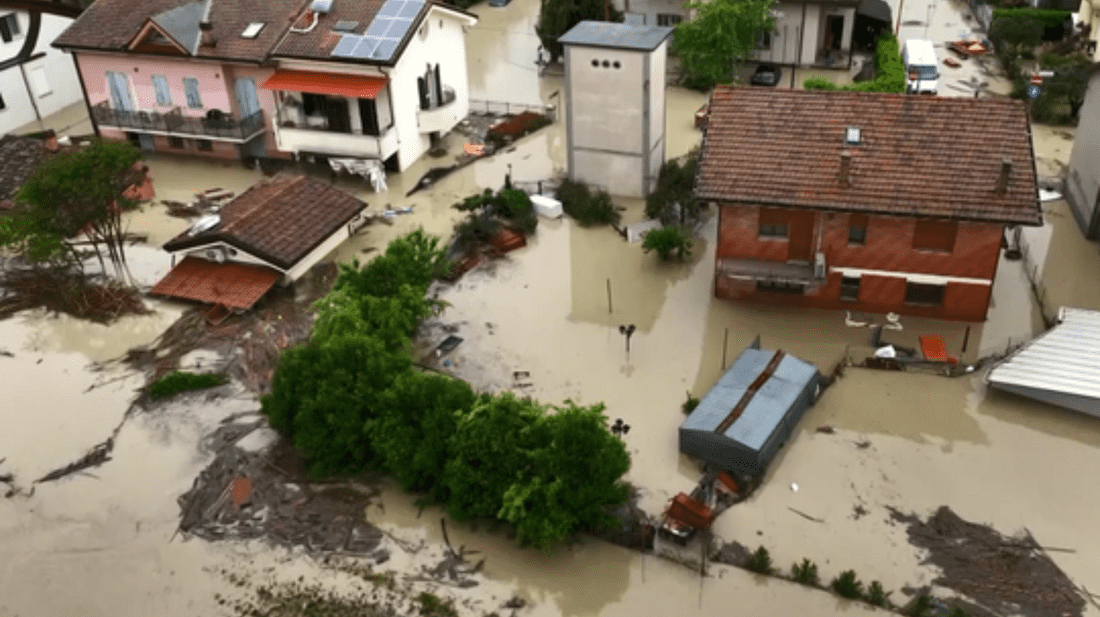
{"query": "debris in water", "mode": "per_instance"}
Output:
(806, 516)
(863, 445)
(859, 512)
(828, 430)
(794, 487)
(449, 344)
(98, 455)
(6, 353)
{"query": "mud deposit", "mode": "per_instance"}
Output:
(1003, 575)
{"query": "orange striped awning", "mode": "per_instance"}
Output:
(234, 285)
(339, 84)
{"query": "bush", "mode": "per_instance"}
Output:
(889, 72)
(672, 202)
(1048, 18)
(876, 595)
(957, 612)
(805, 573)
(819, 83)
(584, 206)
(478, 228)
(921, 606)
(432, 605)
(174, 383)
(668, 242)
(847, 585)
(760, 561)
(690, 404)
(515, 206)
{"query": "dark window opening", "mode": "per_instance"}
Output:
(924, 295)
(9, 27)
(668, 20)
(764, 41)
(773, 230)
(616, 64)
(205, 145)
(849, 288)
(134, 139)
(857, 229)
(368, 116)
(425, 101)
(596, 63)
(606, 64)
(176, 142)
(781, 287)
(935, 235)
(3, 105)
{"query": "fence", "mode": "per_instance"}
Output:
(506, 108)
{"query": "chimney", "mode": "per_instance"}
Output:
(206, 28)
(845, 168)
(1006, 172)
(51, 142)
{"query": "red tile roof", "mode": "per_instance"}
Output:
(112, 24)
(234, 285)
(279, 220)
(919, 156)
(19, 159)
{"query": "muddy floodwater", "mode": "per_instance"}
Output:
(103, 541)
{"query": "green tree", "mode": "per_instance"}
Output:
(723, 34)
(488, 449)
(570, 480)
(417, 416)
(673, 202)
(414, 259)
(668, 242)
(76, 191)
(558, 16)
(1070, 81)
(1012, 34)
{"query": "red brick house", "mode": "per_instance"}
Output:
(865, 201)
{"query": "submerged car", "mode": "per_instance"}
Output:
(766, 75)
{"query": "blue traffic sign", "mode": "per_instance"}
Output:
(1033, 91)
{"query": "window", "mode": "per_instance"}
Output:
(764, 40)
(160, 84)
(3, 105)
(596, 63)
(849, 288)
(668, 20)
(924, 295)
(857, 229)
(176, 142)
(9, 27)
(616, 64)
(780, 287)
(773, 231)
(41, 84)
(205, 145)
(253, 30)
(191, 87)
(935, 235)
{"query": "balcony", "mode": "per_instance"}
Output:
(337, 143)
(770, 271)
(215, 126)
(440, 118)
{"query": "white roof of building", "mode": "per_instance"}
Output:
(1061, 366)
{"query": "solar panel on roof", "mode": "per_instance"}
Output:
(365, 47)
(378, 27)
(346, 46)
(386, 49)
(391, 8)
(411, 9)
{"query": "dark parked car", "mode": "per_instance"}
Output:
(767, 75)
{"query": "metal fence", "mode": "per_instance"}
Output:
(506, 108)
(175, 122)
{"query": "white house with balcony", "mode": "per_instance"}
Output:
(381, 84)
(44, 83)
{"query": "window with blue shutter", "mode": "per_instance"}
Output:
(191, 87)
(160, 84)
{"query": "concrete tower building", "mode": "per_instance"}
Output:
(615, 105)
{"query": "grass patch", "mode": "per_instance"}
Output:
(175, 383)
(690, 404)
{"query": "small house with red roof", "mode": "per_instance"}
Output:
(272, 233)
(870, 202)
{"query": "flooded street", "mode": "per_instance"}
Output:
(103, 542)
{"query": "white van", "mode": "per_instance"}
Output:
(919, 58)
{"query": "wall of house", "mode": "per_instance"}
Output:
(849, 15)
(883, 263)
(265, 97)
(1089, 13)
(322, 250)
(784, 42)
(444, 43)
(650, 9)
(1083, 178)
(63, 85)
(140, 70)
(657, 100)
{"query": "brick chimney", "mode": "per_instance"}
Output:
(845, 168)
(206, 27)
(1006, 173)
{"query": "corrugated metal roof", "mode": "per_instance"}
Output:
(1065, 359)
(618, 36)
(766, 409)
(182, 23)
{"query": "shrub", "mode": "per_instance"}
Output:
(819, 83)
(889, 71)
(1048, 18)
(584, 206)
(668, 242)
(672, 201)
(805, 572)
(847, 585)
(921, 606)
(432, 606)
(479, 227)
(957, 612)
(174, 383)
(876, 595)
(515, 206)
(690, 404)
(760, 561)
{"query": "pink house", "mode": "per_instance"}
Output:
(181, 76)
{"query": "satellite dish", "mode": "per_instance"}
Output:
(206, 223)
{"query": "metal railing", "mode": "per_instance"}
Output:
(505, 108)
(174, 122)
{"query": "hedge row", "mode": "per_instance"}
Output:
(889, 72)
(1048, 17)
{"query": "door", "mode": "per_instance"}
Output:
(120, 91)
(337, 112)
(248, 102)
(438, 87)
(835, 32)
(145, 142)
(368, 116)
(800, 245)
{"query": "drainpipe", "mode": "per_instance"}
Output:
(87, 101)
(30, 94)
(393, 117)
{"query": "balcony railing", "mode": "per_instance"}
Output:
(439, 117)
(175, 123)
(754, 269)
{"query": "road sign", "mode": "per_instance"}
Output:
(1037, 80)
(1033, 91)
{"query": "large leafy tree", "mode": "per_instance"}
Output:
(413, 259)
(488, 452)
(723, 34)
(559, 16)
(673, 202)
(570, 479)
(1070, 81)
(78, 191)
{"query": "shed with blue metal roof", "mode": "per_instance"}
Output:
(750, 413)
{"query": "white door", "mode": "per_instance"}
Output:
(120, 91)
